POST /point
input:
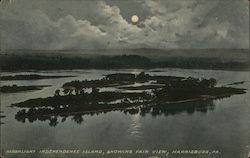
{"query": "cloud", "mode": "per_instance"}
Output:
(169, 24)
(38, 31)
(189, 24)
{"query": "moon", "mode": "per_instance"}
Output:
(134, 18)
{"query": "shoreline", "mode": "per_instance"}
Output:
(172, 91)
(136, 106)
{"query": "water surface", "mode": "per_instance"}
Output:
(224, 125)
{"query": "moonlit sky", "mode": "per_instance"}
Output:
(106, 24)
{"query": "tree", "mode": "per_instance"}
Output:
(57, 93)
(212, 82)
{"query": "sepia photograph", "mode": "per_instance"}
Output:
(124, 79)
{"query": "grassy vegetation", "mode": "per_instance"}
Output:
(86, 100)
(119, 79)
(143, 87)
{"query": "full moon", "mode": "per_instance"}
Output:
(134, 18)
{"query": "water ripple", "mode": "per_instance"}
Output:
(135, 129)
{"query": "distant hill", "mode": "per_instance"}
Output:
(241, 55)
(134, 58)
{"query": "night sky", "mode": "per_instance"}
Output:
(106, 24)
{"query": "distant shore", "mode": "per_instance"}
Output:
(16, 62)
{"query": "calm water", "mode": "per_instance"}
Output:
(224, 126)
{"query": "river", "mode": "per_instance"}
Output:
(224, 126)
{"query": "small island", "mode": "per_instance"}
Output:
(1, 116)
(124, 92)
(30, 77)
(15, 88)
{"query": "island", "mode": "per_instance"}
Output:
(30, 77)
(1, 116)
(127, 92)
(14, 88)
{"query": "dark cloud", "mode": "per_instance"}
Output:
(75, 24)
